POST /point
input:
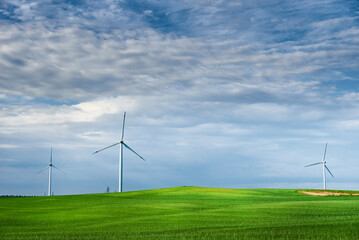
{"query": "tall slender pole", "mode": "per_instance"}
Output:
(50, 174)
(50, 178)
(120, 166)
(325, 153)
(324, 185)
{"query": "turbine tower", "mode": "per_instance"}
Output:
(323, 162)
(50, 166)
(50, 174)
(122, 144)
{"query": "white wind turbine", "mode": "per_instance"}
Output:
(122, 143)
(50, 166)
(323, 162)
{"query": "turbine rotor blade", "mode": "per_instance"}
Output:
(123, 126)
(133, 151)
(107, 147)
(328, 170)
(51, 156)
(325, 151)
(59, 169)
(41, 171)
(313, 164)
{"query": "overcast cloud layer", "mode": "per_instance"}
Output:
(218, 93)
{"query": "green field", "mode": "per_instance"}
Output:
(182, 213)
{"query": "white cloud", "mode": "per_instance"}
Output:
(82, 112)
(350, 98)
(349, 124)
(148, 13)
(25, 11)
(8, 146)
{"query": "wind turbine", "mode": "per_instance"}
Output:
(323, 162)
(50, 166)
(120, 165)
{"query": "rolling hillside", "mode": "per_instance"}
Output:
(182, 213)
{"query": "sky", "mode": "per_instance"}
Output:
(232, 94)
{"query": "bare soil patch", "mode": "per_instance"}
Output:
(326, 193)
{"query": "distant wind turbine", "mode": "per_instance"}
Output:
(323, 162)
(122, 143)
(50, 166)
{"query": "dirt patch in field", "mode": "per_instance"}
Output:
(325, 193)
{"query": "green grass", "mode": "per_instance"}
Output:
(182, 213)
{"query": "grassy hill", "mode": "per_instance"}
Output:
(182, 213)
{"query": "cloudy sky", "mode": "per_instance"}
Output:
(239, 94)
